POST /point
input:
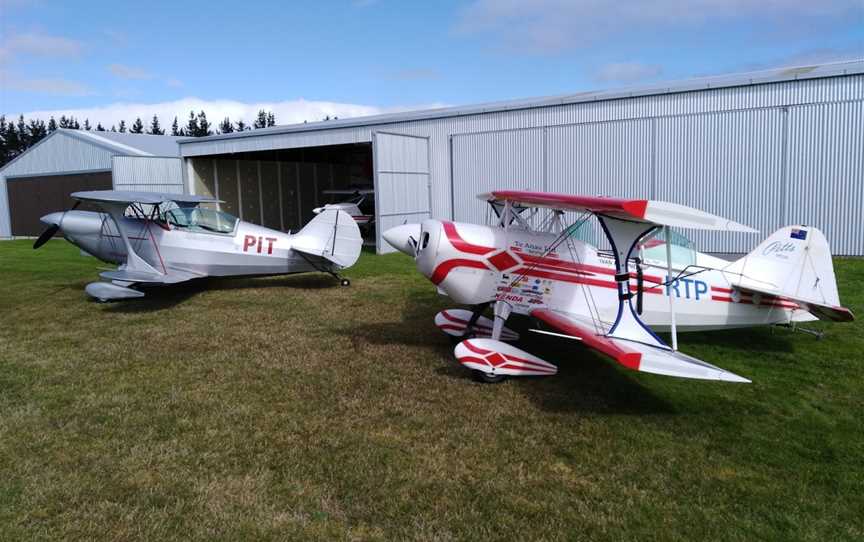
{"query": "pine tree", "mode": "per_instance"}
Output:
(87, 124)
(241, 126)
(52, 125)
(271, 119)
(155, 128)
(175, 129)
(73, 124)
(36, 131)
(122, 128)
(261, 120)
(192, 125)
(225, 126)
(99, 127)
(203, 125)
(23, 135)
(64, 122)
(113, 128)
(137, 127)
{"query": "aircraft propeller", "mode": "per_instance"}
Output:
(52, 229)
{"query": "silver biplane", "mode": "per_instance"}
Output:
(170, 238)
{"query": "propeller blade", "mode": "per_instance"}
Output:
(46, 236)
(53, 229)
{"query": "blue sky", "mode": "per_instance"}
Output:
(112, 60)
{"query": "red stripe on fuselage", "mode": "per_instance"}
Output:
(445, 267)
(461, 244)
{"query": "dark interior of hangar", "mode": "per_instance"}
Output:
(279, 189)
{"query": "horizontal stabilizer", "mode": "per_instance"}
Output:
(792, 264)
(634, 355)
(454, 321)
(499, 358)
(332, 235)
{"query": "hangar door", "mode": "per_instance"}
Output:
(34, 197)
(401, 182)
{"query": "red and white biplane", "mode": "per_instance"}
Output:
(533, 263)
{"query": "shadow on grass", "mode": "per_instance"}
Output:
(756, 340)
(159, 298)
(585, 382)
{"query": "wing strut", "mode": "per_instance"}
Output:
(669, 287)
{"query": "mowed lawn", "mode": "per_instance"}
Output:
(291, 408)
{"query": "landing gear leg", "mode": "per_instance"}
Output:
(478, 312)
(502, 313)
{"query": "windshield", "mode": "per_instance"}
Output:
(653, 249)
(201, 220)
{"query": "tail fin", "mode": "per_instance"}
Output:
(793, 263)
(332, 235)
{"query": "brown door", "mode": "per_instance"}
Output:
(34, 197)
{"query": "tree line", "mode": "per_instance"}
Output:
(16, 136)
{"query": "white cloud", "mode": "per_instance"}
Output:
(37, 44)
(287, 112)
(52, 85)
(128, 72)
(627, 72)
(549, 26)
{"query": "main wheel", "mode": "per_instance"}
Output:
(345, 282)
(486, 378)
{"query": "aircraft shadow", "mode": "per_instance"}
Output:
(159, 298)
(585, 382)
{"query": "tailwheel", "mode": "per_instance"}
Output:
(486, 378)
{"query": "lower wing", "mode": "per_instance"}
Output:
(631, 354)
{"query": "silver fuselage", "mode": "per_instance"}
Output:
(248, 249)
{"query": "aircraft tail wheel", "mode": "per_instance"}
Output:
(345, 282)
(486, 378)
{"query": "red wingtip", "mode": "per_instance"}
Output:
(631, 360)
(636, 207)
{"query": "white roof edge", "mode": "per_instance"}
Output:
(774, 75)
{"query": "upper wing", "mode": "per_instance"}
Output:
(148, 198)
(631, 354)
(661, 213)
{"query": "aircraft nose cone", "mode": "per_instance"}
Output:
(404, 237)
(52, 219)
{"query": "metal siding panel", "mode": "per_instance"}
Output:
(826, 172)
(494, 160)
(143, 173)
(729, 164)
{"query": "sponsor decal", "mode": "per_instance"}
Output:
(798, 234)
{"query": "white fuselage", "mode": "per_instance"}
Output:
(476, 264)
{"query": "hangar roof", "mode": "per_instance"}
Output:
(131, 144)
(775, 75)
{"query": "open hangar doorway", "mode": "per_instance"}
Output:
(280, 188)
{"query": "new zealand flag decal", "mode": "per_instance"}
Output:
(798, 234)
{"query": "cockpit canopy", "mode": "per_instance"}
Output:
(201, 220)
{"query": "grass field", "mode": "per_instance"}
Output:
(291, 408)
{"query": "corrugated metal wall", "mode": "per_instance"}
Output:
(148, 174)
(618, 153)
(763, 167)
